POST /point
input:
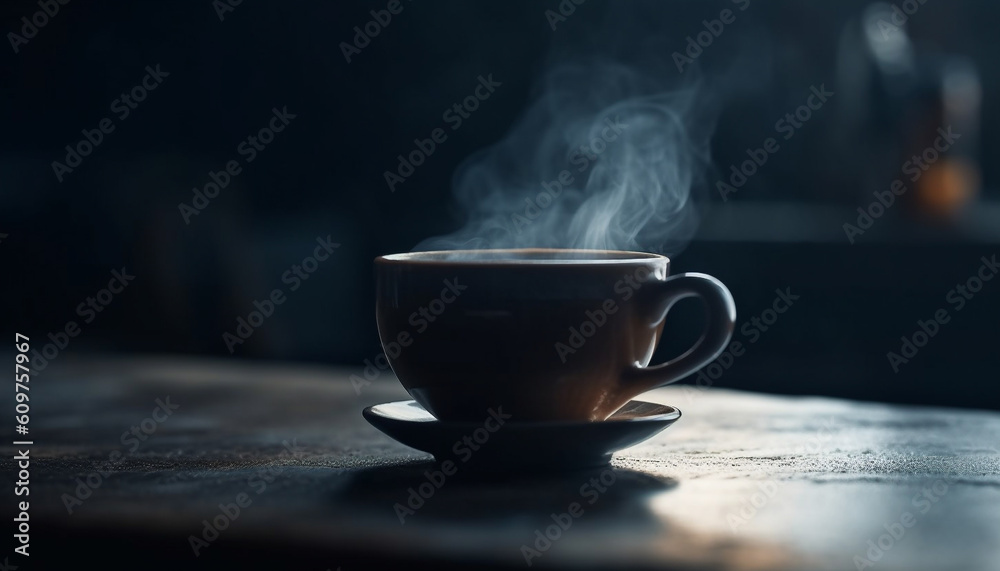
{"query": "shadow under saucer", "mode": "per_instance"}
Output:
(496, 445)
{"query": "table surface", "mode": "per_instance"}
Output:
(741, 481)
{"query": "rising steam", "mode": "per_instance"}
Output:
(606, 157)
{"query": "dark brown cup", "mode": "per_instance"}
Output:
(544, 334)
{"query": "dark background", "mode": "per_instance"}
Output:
(323, 175)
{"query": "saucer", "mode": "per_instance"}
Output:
(556, 444)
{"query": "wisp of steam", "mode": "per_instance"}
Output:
(606, 157)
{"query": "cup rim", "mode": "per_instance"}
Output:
(446, 257)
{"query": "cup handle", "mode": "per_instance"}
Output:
(721, 319)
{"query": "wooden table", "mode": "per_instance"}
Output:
(742, 481)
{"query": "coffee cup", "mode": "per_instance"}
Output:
(537, 334)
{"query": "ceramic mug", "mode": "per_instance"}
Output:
(544, 334)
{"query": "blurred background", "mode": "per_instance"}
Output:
(897, 73)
